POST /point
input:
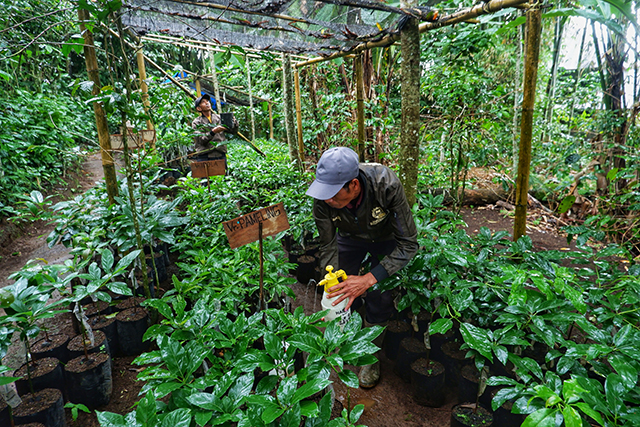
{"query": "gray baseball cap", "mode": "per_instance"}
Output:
(336, 167)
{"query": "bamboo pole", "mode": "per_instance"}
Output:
(170, 77)
(204, 45)
(198, 88)
(101, 120)
(454, 18)
(287, 82)
(253, 117)
(359, 105)
(532, 54)
(270, 121)
(216, 86)
(296, 75)
(144, 88)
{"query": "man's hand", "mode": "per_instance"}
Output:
(218, 129)
(352, 288)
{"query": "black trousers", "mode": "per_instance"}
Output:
(378, 305)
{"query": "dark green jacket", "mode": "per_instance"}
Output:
(383, 215)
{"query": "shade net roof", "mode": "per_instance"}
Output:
(297, 27)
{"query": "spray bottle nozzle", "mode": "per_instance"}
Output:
(332, 279)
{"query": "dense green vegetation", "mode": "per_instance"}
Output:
(577, 310)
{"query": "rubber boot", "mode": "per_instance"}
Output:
(369, 375)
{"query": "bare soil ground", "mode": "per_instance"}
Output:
(387, 405)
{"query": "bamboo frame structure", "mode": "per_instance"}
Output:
(296, 75)
(532, 54)
(104, 138)
(461, 16)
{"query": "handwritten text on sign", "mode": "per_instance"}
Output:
(245, 229)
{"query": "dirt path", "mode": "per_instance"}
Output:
(20, 246)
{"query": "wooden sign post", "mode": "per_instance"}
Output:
(207, 168)
(254, 226)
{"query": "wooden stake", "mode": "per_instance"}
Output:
(216, 87)
(360, 104)
(299, 113)
(262, 304)
(253, 117)
(142, 72)
(532, 54)
(101, 120)
(270, 121)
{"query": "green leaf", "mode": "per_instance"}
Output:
(274, 345)
(271, 411)
(625, 369)
(178, 418)
(126, 261)
(541, 418)
(584, 407)
(305, 342)
(106, 258)
(571, 417)
(109, 419)
(440, 326)
(566, 204)
(477, 339)
(349, 378)
(310, 388)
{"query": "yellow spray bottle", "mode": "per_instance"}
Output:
(335, 311)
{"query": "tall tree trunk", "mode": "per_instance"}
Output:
(532, 54)
(516, 99)
(101, 119)
(287, 86)
(410, 92)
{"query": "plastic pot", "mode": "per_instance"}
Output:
(107, 325)
(76, 347)
(45, 406)
(306, 268)
(131, 324)
(395, 332)
(410, 350)
(464, 415)
(55, 346)
(88, 380)
(45, 373)
(428, 382)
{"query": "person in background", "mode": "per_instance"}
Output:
(209, 132)
(360, 209)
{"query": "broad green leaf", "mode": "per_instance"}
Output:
(566, 204)
(477, 339)
(584, 407)
(292, 417)
(440, 326)
(271, 411)
(179, 418)
(106, 258)
(306, 343)
(309, 388)
(109, 419)
(625, 369)
(571, 417)
(349, 378)
(541, 418)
